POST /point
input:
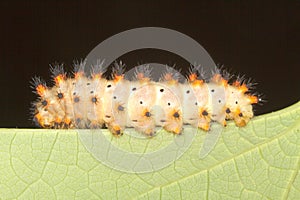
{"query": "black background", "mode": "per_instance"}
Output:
(260, 40)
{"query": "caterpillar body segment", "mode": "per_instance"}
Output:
(142, 103)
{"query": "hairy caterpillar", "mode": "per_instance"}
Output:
(94, 101)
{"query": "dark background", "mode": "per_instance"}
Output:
(260, 40)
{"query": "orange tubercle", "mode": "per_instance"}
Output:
(240, 123)
(140, 76)
(117, 78)
(236, 83)
(203, 113)
(78, 75)
(205, 126)
(67, 121)
(168, 77)
(116, 130)
(59, 78)
(57, 119)
(224, 82)
(172, 82)
(237, 111)
(38, 117)
(217, 78)
(243, 88)
(177, 130)
(224, 123)
(198, 82)
(192, 77)
(149, 132)
(175, 114)
(253, 99)
(97, 76)
(41, 89)
(146, 113)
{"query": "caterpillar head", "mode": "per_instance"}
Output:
(42, 115)
(239, 104)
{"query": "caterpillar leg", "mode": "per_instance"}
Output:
(204, 119)
(149, 132)
(174, 122)
(80, 122)
(241, 118)
(142, 120)
(204, 125)
(94, 124)
(240, 121)
(116, 130)
(176, 129)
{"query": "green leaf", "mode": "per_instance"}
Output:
(259, 161)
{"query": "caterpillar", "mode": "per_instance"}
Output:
(94, 101)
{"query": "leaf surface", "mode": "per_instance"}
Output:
(259, 161)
